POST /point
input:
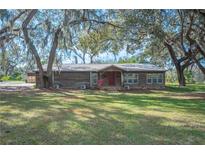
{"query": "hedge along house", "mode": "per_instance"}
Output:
(129, 76)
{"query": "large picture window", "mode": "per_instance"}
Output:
(155, 78)
(131, 78)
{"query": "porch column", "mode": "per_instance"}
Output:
(90, 79)
(122, 78)
(99, 75)
(53, 77)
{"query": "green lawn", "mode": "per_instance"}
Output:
(171, 116)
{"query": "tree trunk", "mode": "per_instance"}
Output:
(181, 78)
(201, 50)
(83, 58)
(32, 48)
(179, 69)
(91, 59)
(51, 58)
(76, 59)
(6, 71)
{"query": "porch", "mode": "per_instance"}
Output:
(109, 78)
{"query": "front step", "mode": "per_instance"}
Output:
(111, 88)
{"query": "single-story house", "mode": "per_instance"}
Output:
(129, 76)
(31, 77)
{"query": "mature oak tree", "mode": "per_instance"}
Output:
(48, 36)
(171, 29)
(68, 25)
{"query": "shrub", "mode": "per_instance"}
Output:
(189, 76)
(5, 78)
(14, 77)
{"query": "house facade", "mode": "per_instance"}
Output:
(91, 76)
(31, 77)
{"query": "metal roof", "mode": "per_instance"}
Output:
(99, 67)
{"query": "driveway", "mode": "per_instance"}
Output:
(15, 86)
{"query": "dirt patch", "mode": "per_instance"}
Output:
(196, 95)
(187, 96)
(10, 89)
(9, 86)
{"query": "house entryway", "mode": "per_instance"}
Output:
(111, 78)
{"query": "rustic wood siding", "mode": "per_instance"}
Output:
(72, 79)
(31, 78)
(75, 79)
(37, 79)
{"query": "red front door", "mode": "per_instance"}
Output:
(111, 78)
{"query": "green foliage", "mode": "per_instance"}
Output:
(14, 77)
(99, 41)
(148, 30)
(132, 59)
(88, 33)
(174, 87)
(189, 76)
(171, 76)
(5, 78)
(4, 14)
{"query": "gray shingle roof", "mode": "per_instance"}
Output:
(99, 67)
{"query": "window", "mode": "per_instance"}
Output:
(94, 81)
(94, 77)
(149, 80)
(155, 78)
(135, 80)
(131, 78)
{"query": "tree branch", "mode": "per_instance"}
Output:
(182, 31)
(6, 28)
(53, 51)
(27, 39)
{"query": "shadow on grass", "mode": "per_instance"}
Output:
(187, 88)
(34, 100)
(144, 100)
(88, 122)
(104, 127)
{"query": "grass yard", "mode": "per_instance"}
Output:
(171, 116)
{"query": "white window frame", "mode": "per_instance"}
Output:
(94, 77)
(156, 76)
(162, 78)
(132, 77)
(149, 77)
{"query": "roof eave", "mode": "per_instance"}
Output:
(111, 66)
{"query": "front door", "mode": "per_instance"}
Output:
(111, 78)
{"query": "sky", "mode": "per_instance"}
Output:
(101, 57)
